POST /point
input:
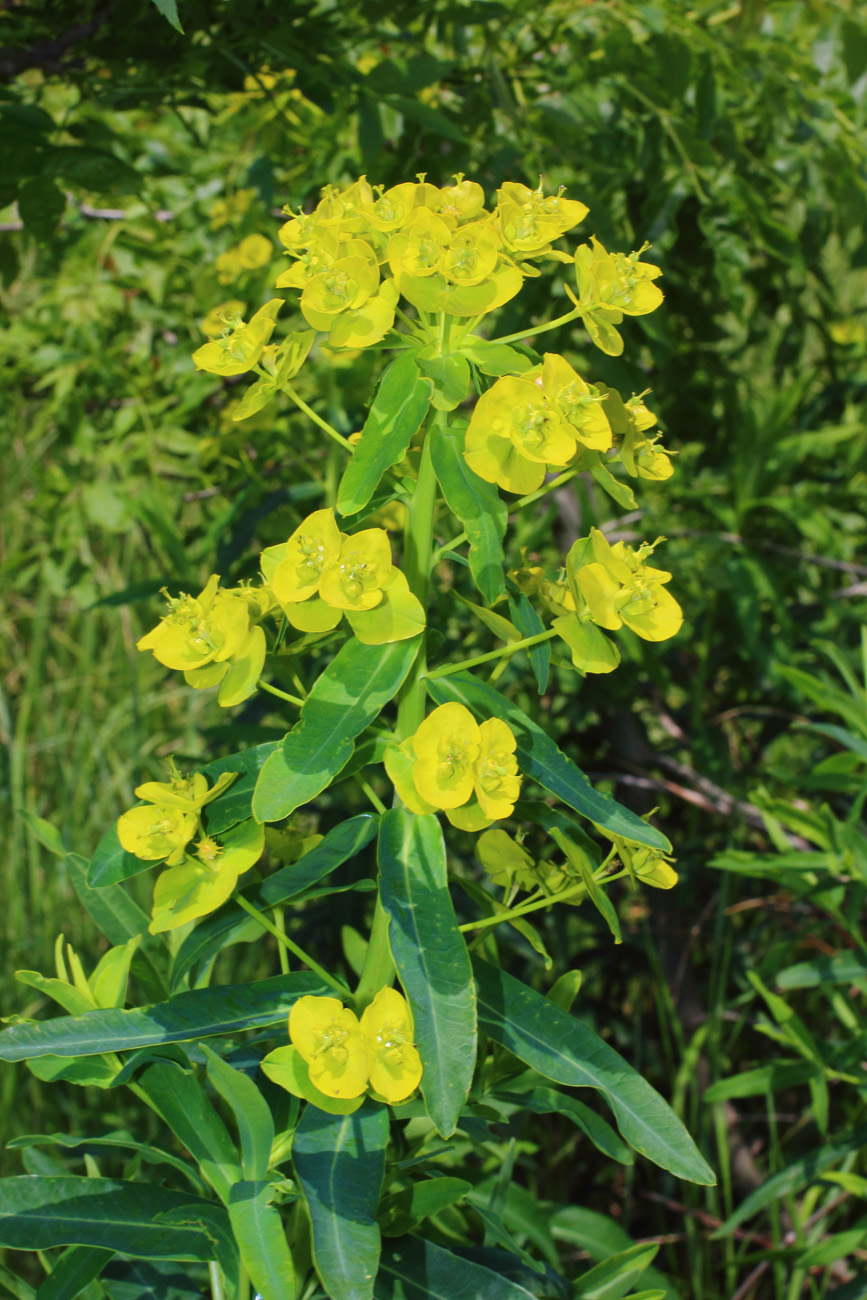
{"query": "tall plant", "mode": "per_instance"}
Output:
(351, 1117)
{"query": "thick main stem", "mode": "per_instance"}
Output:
(417, 559)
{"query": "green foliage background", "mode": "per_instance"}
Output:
(730, 136)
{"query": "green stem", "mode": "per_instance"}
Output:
(281, 695)
(218, 1291)
(524, 909)
(512, 648)
(284, 939)
(378, 969)
(317, 419)
(371, 794)
(539, 329)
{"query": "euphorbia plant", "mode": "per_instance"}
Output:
(327, 1188)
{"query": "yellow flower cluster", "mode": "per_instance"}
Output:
(345, 1056)
(607, 587)
(439, 247)
(251, 254)
(320, 574)
(611, 286)
(200, 878)
(213, 638)
(454, 764)
(525, 425)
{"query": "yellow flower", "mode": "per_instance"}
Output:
(253, 252)
(495, 776)
(155, 832)
(224, 316)
(579, 403)
(446, 747)
(354, 580)
(529, 219)
(395, 1065)
(616, 280)
(310, 550)
(620, 589)
(515, 433)
(203, 880)
(237, 352)
(199, 629)
(329, 1039)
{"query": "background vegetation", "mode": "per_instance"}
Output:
(133, 159)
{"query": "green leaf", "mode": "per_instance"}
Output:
(75, 1270)
(111, 863)
(41, 204)
(135, 1279)
(547, 1101)
(617, 1275)
(431, 959)
(477, 504)
(397, 413)
(340, 1164)
(795, 1176)
(234, 805)
(251, 1111)
(201, 1013)
(345, 699)
(169, 11)
(403, 1210)
(117, 1141)
(419, 1270)
(261, 1239)
(180, 1099)
(118, 916)
(539, 758)
(600, 1237)
(831, 968)
(762, 1081)
(566, 1051)
(136, 1219)
(450, 376)
(47, 835)
(528, 623)
(495, 358)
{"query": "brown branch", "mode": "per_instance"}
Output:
(48, 55)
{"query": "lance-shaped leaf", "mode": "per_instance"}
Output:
(539, 758)
(345, 699)
(234, 804)
(398, 410)
(431, 959)
(563, 1049)
(340, 1163)
(201, 1013)
(419, 1270)
(135, 1219)
(180, 1099)
(73, 1272)
(477, 504)
(251, 1111)
(261, 1239)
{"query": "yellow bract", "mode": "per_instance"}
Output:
(237, 351)
(611, 286)
(395, 1065)
(344, 1056)
(168, 819)
(321, 574)
(210, 639)
(203, 880)
(462, 765)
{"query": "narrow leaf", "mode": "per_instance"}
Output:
(261, 1239)
(201, 1013)
(251, 1111)
(180, 1099)
(566, 1051)
(398, 410)
(75, 1270)
(419, 1270)
(477, 504)
(169, 11)
(431, 959)
(340, 1164)
(136, 1219)
(528, 623)
(539, 758)
(345, 699)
